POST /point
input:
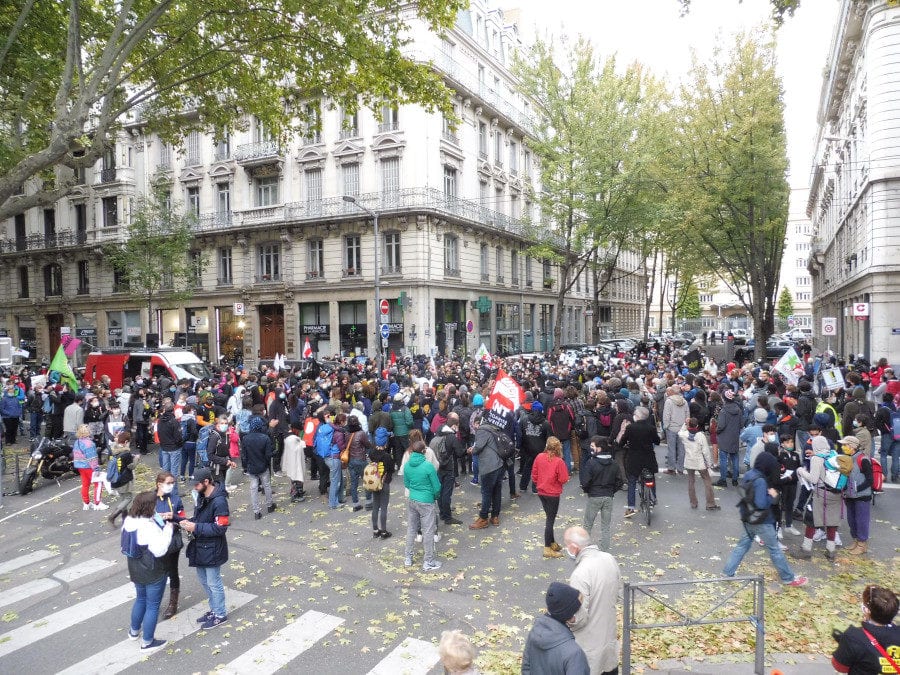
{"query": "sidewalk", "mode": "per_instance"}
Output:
(740, 664)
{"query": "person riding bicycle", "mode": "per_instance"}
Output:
(639, 440)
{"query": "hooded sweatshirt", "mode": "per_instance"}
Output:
(551, 650)
(421, 479)
(675, 413)
(601, 476)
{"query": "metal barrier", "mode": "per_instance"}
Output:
(649, 589)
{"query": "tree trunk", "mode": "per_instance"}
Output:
(649, 300)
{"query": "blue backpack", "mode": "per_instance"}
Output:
(47, 406)
(203, 444)
(113, 474)
(325, 445)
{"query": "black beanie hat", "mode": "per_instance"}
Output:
(562, 601)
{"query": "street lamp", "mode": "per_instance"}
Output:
(352, 200)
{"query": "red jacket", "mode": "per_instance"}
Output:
(549, 474)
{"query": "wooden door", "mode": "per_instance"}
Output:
(271, 331)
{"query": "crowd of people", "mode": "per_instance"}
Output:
(778, 438)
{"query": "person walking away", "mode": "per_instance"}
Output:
(293, 465)
(550, 475)
(858, 494)
(384, 460)
(171, 509)
(763, 497)
(534, 432)
(448, 449)
(421, 479)
(86, 462)
(145, 540)
(257, 449)
(207, 550)
(728, 430)
(550, 648)
(168, 428)
(562, 421)
(639, 440)
(697, 459)
(675, 414)
(596, 576)
(588, 426)
(827, 504)
(359, 445)
(600, 479)
(873, 645)
(490, 471)
(402, 420)
(329, 452)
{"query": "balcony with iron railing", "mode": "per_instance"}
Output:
(39, 242)
(351, 272)
(387, 127)
(389, 270)
(315, 275)
(224, 281)
(312, 138)
(345, 134)
(257, 153)
(452, 272)
(450, 137)
(485, 276)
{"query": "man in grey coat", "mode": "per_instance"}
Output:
(491, 470)
(675, 414)
(728, 431)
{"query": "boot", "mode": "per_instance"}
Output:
(112, 517)
(550, 553)
(860, 549)
(556, 547)
(852, 548)
(479, 524)
(172, 609)
(495, 520)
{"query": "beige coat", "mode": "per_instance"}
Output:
(596, 577)
(697, 453)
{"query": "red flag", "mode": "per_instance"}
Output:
(393, 357)
(69, 344)
(307, 349)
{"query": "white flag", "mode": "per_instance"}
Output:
(790, 366)
(483, 354)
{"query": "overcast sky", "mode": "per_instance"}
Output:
(651, 31)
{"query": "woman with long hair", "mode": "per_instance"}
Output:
(170, 507)
(550, 474)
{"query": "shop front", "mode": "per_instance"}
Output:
(86, 331)
(508, 326)
(197, 337)
(124, 329)
(450, 326)
(315, 326)
(352, 328)
(230, 335)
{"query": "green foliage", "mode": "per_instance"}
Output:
(785, 303)
(71, 73)
(731, 154)
(690, 306)
(156, 257)
(779, 8)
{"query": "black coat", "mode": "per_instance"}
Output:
(640, 440)
(257, 450)
(169, 431)
(208, 547)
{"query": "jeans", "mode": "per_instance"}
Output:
(141, 437)
(356, 467)
(603, 506)
(336, 476)
(255, 480)
(447, 485)
(632, 490)
(145, 610)
(420, 517)
(34, 424)
(858, 511)
(380, 502)
(527, 462)
(211, 581)
(766, 532)
(567, 453)
(726, 458)
(890, 447)
(170, 460)
(188, 458)
(674, 452)
(491, 493)
(551, 508)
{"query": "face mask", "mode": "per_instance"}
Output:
(223, 427)
(855, 423)
(282, 396)
(167, 489)
(571, 555)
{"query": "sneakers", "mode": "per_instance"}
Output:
(629, 513)
(437, 537)
(714, 507)
(271, 507)
(432, 566)
(100, 507)
(779, 534)
(792, 530)
(257, 516)
(495, 520)
(386, 535)
(156, 644)
(214, 621)
(368, 507)
(206, 617)
(407, 562)
(721, 483)
(820, 536)
(479, 524)
(133, 635)
(453, 521)
(376, 534)
(419, 538)
(837, 539)
(799, 581)
(86, 507)
(474, 481)
(357, 507)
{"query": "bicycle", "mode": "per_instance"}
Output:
(645, 484)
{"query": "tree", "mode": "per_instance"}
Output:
(595, 143)
(731, 152)
(155, 260)
(71, 72)
(785, 304)
(779, 8)
(690, 306)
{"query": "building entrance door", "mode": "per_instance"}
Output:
(271, 331)
(54, 323)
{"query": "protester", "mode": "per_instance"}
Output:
(170, 508)
(600, 479)
(420, 478)
(697, 454)
(550, 475)
(868, 648)
(550, 648)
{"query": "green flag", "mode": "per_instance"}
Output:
(60, 364)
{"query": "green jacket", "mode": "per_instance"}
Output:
(402, 419)
(421, 479)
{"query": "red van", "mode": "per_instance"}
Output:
(117, 364)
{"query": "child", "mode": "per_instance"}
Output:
(457, 653)
(790, 462)
(121, 452)
(86, 462)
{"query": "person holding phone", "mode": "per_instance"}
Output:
(171, 509)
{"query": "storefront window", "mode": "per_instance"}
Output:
(86, 331)
(231, 336)
(198, 331)
(315, 325)
(352, 328)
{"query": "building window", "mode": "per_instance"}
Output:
(485, 263)
(223, 198)
(449, 181)
(513, 158)
(24, 291)
(267, 191)
(352, 255)
(223, 147)
(195, 260)
(514, 267)
(803, 281)
(315, 259)
(350, 179)
(261, 133)
(448, 126)
(193, 156)
(108, 172)
(705, 298)
(269, 263)
(526, 163)
(349, 124)
(84, 284)
(528, 280)
(392, 253)
(498, 148)
(803, 296)
(165, 157)
(120, 280)
(52, 279)
(514, 210)
(801, 263)
(482, 141)
(390, 117)
(498, 199)
(314, 186)
(110, 212)
(390, 175)
(451, 255)
(313, 113)
(193, 201)
(499, 264)
(226, 274)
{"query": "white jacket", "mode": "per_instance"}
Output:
(697, 452)
(596, 577)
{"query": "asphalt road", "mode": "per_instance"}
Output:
(65, 603)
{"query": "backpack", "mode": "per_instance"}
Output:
(895, 425)
(324, 442)
(877, 472)
(836, 471)
(589, 426)
(753, 515)
(439, 445)
(560, 421)
(605, 418)
(47, 406)
(372, 479)
(505, 447)
(203, 444)
(113, 470)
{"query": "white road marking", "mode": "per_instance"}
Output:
(127, 653)
(284, 646)
(57, 622)
(410, 657)
(70, 574)
(26, 590)
(34, 506)
(26, 560)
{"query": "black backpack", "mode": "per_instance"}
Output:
(439, 445)
(560, 421)
(751, 515)
(505, 447)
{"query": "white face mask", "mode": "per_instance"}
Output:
(223, 427)
(167, 488)
(569, 553)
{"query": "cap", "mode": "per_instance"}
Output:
(852, 441)
(562, 601)
(537, 407)
(201, 475)
(478, 400)
(760, 415)
(398, 397)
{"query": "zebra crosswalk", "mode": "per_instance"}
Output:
(92, 626)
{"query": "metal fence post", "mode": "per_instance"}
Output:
(760, 665)
(626, 630)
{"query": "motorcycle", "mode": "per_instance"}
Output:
(51, 459)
